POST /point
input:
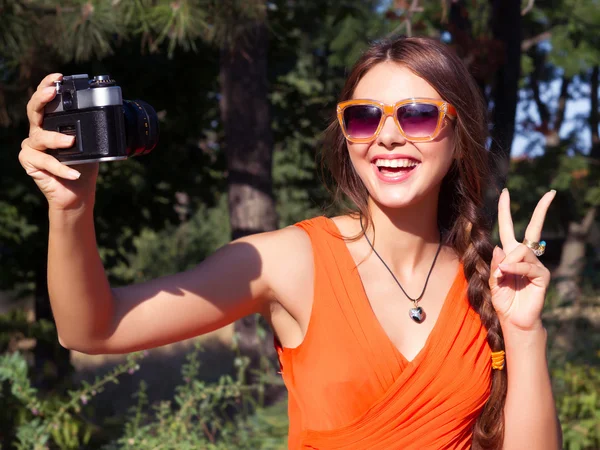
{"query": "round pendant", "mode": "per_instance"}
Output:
(417, 314)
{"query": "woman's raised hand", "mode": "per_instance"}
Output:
(64, 187)
(518, 280)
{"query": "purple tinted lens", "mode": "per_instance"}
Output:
(361, 121)
(418, 120)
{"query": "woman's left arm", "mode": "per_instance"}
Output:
(530, 418)
(518, 284)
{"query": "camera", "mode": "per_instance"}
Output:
(106, 127)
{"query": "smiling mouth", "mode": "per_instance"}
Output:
(395, 167)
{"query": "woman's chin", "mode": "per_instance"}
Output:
(392, 200)
(401, 197)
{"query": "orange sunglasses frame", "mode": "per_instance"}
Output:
(444, 109)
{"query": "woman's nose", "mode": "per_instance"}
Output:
(390, 135)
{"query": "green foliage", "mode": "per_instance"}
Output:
(577, 390)
(293, 175)
(313, 46)
(87, 29)
(575, 43)
(179, 24)
(573, 176)
(14, 35)
(175, 248)
(14, 326)
(226, 414)
(46, 421)
(221, 415)
(13, 226)
(141, 193)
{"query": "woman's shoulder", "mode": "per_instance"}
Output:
(290, 245)
(313, 222)
(296, 243)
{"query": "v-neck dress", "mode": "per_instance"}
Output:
(349, 387)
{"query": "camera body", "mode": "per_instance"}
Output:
(106, 127)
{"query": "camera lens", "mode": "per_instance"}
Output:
(141, 127)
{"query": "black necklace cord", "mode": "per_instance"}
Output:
(414, 300)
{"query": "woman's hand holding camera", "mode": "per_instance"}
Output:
(64, 187)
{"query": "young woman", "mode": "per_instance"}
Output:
(391, 321)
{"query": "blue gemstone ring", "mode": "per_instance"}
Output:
(538, 248)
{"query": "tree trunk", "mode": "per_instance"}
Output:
(594, 114)
(248, 137)
(594, 235)
(506, 28)
(505, 23)
(572, 261)
(249, 149)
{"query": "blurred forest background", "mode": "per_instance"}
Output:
(243, 90)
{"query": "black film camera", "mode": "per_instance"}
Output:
(106, 127)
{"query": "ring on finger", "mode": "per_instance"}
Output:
(538, 248)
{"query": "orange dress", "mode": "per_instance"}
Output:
(349, 387)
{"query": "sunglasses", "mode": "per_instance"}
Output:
(418, 119)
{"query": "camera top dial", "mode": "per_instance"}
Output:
(102, 81)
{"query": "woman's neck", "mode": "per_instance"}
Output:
(407, 238)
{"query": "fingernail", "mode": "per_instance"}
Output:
(497, 273)
(553, 191)
(73, 174)
(505, 189)
(64, 139)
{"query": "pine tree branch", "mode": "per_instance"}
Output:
(588, 221)
(543, 111)
(414, 7)
(48, 10)
(528, 8)
(407, 22)
(562, 104)
(528, 43)
(445, 11)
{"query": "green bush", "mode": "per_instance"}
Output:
(176, 247)
(226, 414)
(577, 392)
(44, 420)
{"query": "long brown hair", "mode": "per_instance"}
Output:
(461, 198)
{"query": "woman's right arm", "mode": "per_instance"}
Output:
(239, 279)
(93, 318)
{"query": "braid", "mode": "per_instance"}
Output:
(470, 237)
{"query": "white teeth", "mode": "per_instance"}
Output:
(395, 163)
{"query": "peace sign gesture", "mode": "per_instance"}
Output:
(518, 280)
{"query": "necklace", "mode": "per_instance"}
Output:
(416, 313)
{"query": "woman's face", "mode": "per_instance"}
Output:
(395, 187)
